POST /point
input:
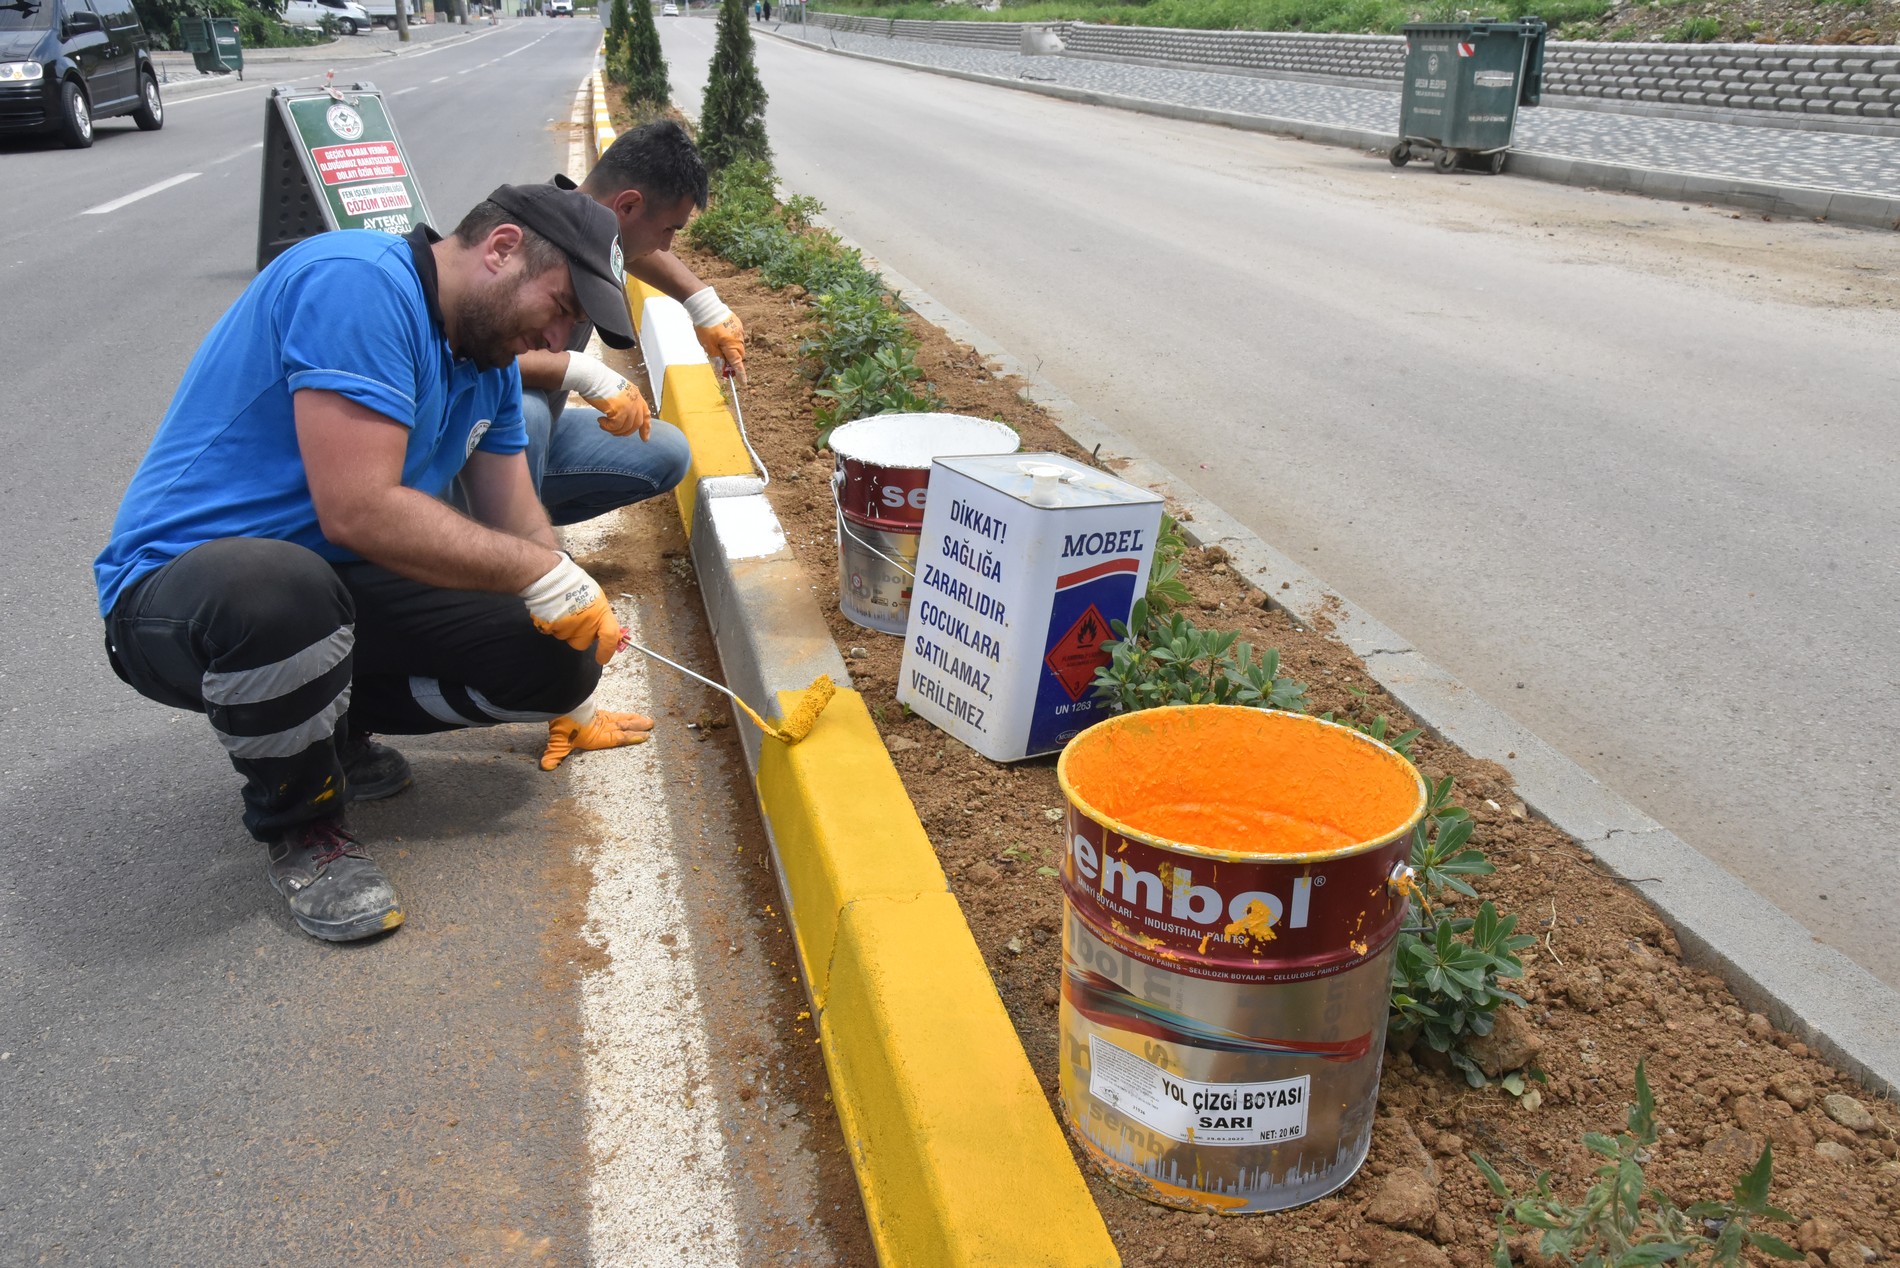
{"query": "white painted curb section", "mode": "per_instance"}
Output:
(667, 339)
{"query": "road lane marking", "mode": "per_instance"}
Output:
(135, 195)
(400, 91)
(653, 1109)
(253, 146)
(464, 72)
(438, 79)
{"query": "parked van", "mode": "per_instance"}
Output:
(65, 63)
(349, 16)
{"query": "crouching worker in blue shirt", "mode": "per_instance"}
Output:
(283, 562)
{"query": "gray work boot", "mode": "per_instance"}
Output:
(372, 771)
(335, 892)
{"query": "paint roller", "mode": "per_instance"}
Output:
(793, 727)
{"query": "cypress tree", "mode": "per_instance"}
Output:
(618, 21)
(732, 116)
(646, 66)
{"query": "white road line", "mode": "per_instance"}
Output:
(438, 79)
(464, 72)
(400, 91)
(652, 1113)
(171, 104)
(229, 158)
(147, 192)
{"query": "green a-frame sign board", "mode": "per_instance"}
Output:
(332, 160)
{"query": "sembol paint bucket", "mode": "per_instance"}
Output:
(881, 482)
(1232, 891)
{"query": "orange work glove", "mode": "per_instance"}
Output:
(588, 729)
(569, 605)
(718, 327)
(623, 411)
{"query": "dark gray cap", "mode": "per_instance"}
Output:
(589, 235)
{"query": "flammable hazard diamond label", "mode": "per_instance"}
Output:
(1079, 653)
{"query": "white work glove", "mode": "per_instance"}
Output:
(718, 329)
(623, 410)
(569, 605)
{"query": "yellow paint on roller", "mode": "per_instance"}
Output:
(958, 1157)
(843, 826)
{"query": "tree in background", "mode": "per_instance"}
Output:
(732, 117)
(647, 80)
(618, 21)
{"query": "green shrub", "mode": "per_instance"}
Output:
(887, 382)
(1697, 30)
(732, 111)
(647, 80)
(1159, 660)
(853, 322)
(1623, 1219)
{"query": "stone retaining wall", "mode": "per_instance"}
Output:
(1837, 82)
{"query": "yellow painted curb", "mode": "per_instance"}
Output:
(957, 1152)
(958, 1155)
(844, 827)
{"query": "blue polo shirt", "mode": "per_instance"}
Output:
(352, 312)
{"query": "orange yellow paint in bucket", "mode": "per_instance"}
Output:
(1233, 886)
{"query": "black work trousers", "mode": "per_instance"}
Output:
(288, 655)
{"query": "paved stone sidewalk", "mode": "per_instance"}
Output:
(1816, 160)
(178, 73)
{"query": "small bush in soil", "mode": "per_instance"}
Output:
(1447, 968)
(1623, 1220)
(1166, 590)
(732, 112)
(853, 322)
(887, 382)
(647, 80)
(1161, 659)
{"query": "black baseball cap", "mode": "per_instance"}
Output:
(589, 235)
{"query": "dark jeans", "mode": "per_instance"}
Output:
(288, 655)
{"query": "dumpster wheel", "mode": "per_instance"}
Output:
(1495, 163)
(1399, 155)
(1447, 160)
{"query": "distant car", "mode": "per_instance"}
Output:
(560, 8)
(349, 16)
(65, 63)
(669, 11)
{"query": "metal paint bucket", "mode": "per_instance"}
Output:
(880, 483)
(1232, 892)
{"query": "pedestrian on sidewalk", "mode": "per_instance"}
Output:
(587, 460)
(284, 563)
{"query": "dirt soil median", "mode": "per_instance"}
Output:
(1605, 982)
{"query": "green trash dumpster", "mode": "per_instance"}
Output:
(1463, 84)
(213, 44)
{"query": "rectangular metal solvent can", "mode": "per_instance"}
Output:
(1024, 561)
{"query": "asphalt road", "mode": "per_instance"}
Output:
(1625, 468)
(184, 1077)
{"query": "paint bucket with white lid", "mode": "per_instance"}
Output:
(880, 486)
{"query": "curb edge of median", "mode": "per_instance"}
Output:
(1772, 963)
(1869, 211)
(958, 1155)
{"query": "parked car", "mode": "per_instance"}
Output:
(349, 16)
(560, 8)
(669, 11)
(65, 63)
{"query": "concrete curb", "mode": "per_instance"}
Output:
(1766, 197)
(1772, 962)
(958, 1155)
